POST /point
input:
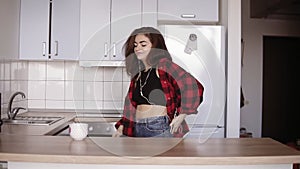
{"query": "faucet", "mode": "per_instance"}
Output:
(12, 113)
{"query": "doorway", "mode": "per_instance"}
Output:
(281, 99)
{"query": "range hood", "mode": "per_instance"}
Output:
(106, 63)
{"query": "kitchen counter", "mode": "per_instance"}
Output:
(145, 151)
(39, 129)
(34, 147)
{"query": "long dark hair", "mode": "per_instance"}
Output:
(158, 51)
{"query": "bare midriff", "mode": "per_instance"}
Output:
(146, 111)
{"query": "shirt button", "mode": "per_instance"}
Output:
(169, 98)
(165, 82)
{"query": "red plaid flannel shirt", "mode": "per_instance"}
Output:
(184, 94)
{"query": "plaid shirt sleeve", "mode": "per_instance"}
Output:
(128, 113)
(188, 90)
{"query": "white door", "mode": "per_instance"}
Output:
(126, 16)
(94, 29)
(65, 29)
(34, 28)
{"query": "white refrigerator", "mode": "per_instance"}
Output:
(200, 49)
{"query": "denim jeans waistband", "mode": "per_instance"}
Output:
(149, 119)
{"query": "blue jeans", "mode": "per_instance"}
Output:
(153, 127)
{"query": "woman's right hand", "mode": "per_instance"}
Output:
(119, 131)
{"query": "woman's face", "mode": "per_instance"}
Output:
(142, 46)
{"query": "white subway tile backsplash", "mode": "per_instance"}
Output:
(114, 105)
(55, 70)
(65, 85)
(126, 77)
(37, 71)
(99, 74)
(93, 74)
(113, 91)
(14, 70)
(17, 85)
(37, 90)
(2, 71)
(23, 86)
(13, 86)
(125, 88)
(98, 89)
(73, 71)
(22, 70)
(7, 71)
(93, 104)
(11, 82)
(113, 74)
(74, 90)
(6, 91)
(37, 104)
(76, 105)
(55, 90)
(55, 104)
(1, 87)
(93, 91)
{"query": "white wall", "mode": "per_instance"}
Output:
(253, 31)
(233, 68)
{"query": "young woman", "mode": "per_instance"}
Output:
(160, 94)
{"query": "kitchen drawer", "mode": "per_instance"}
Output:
(101, 129)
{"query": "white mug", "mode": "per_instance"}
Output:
(78, 131)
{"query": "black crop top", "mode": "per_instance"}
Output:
(152, 90)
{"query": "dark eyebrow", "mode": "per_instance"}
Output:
(141, 41)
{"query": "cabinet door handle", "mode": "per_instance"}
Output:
(114, 49)
(56, 48)
(105, 49)
(44, 48)
(188, 16)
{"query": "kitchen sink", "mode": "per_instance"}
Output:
(32, 120)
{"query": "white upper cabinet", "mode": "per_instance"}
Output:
(9, 31)
(106, 25)
(125, 17)
(149, 17)
(49, 29)
(65, 29)
(94, 29)
(188, 10)
(34, 29)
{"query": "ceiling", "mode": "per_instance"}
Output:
(275, 9)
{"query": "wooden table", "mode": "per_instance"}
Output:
(53, 151)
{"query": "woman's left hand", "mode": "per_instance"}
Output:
(176, 122)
